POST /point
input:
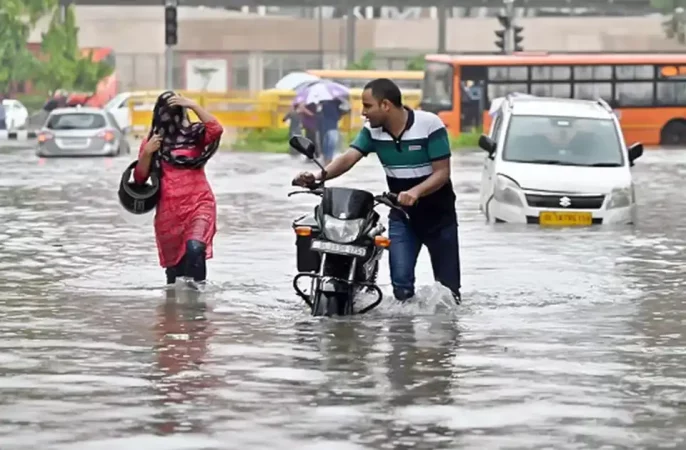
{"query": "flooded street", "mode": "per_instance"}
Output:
(566, 339)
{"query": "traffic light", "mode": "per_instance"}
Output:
(504, 20)
(516, 31)
(502, 36)
(170, 26)
(500, 43)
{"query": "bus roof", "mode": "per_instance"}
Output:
(560, 59)
(369, 74)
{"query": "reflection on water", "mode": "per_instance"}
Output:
(182, 332)
(567, 339)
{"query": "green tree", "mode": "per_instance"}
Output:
(667, 6)
(416, 63)
(63, 65)
(17, 18)
(364, 63)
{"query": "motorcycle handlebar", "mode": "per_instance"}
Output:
(314, 191)
(390, 199)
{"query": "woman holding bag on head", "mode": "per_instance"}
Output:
(185, 219)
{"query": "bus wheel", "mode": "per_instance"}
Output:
(674, 133)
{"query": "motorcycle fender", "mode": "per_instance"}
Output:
(307, 220)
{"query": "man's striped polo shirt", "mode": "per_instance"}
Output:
(407, 161)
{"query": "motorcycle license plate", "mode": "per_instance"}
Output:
(341, 249)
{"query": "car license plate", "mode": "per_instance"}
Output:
(74, 142)
(341, 249)
(565, 219)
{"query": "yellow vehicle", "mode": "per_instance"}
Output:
(405, 79)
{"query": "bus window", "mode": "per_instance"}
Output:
(592, 73)
(563, 90)
(508, 73)
(502, 89)
(634, 72)
(671, 93)
(634, 94)
(437, 88)
(593, 91)
(553, 73)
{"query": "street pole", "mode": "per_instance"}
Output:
(442, 19)
(350, 35)
(320, 31)
(509, 36)
(169, 56)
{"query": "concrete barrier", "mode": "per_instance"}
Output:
(18, 135)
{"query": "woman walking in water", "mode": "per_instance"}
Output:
(185, 220)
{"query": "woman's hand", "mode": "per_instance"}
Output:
(178, 100)
(153, 144)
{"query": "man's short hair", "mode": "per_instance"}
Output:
(385, 89)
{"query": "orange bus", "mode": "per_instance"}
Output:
(647, 91)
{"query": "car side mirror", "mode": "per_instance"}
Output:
(487, 144)
(635, 152)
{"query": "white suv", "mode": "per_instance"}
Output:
(555, 161)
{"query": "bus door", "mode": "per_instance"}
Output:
(472, 96)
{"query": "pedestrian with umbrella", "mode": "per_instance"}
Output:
(331, 100)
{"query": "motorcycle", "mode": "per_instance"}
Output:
(339, 246)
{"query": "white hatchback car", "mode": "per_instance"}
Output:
(557, 161)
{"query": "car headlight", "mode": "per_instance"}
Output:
(342, 231)
(621, 197)
(507, 191)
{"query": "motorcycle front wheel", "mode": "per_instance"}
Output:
(332, 304)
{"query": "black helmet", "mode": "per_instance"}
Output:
(136, 198)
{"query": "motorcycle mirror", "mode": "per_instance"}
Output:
(302, 145)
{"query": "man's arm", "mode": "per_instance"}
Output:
(341, 164)
(440, 176)
(438, 147)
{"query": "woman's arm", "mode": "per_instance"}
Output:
(142, 170)
(213, 129)
(202, 114)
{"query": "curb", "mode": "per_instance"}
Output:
(20, 135)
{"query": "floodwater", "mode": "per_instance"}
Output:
(566, 339)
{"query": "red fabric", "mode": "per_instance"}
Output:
(187, 208)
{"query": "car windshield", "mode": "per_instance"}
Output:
(76, 121)
(563, 141)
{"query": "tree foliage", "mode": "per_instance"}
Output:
(364, 63)
(64, 66)
(17, 18)
(668, 6)
(60, 65)
(416, 63)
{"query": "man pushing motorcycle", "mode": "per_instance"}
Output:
(414, 150)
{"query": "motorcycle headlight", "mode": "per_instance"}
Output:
(342, 231)
(621, 197)
(507, 191)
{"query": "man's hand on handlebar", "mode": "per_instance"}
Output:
(305, 179)
(407, 198)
